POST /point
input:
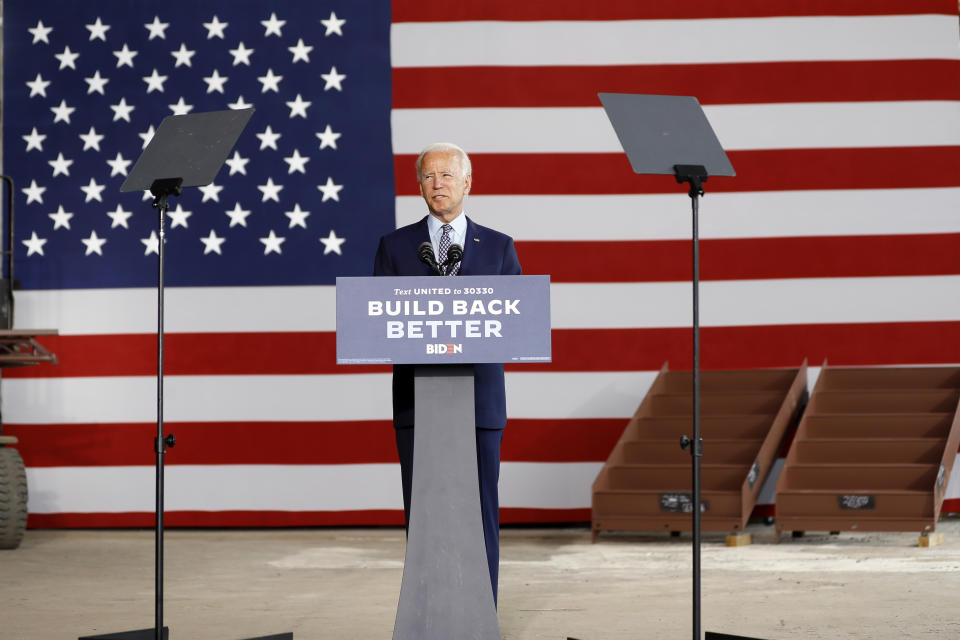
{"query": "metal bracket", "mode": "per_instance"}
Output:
(18, 348)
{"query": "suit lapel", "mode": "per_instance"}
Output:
(471, 248)
(420, 233)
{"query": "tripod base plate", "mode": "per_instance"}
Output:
(139, 634)
(151, 634)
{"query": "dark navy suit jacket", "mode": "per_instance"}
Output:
(485, 252)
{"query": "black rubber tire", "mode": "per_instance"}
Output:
(13, 498)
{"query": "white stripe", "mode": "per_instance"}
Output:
(216, 488)
(756, 126)
(197, 398)
(188, 309)
(761, 214)
(605, 42)
(298, 487)
(539, 395)
(757, 302)
(953, 484)
(122, 399)
(282, 487)
(547, 485)
(561, 395)
(573, 305)
(768, 492)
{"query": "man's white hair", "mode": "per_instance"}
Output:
(446, 146)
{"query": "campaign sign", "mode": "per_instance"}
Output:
(443, 320)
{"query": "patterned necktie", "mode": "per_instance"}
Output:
(444, 247)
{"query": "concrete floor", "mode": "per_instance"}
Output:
(344, 583)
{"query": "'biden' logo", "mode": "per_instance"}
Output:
(441, 349)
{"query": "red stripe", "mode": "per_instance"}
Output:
(276, 518)
(360, 442)
(741, 347)
(751, 347)
(577, 86)
(413, 11)
(216, 519)
(517, 515)
(761, 170)
(291, 353)
(763, 511)
(743, 258)
(511, 515)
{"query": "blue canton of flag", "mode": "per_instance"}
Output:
(302, 199)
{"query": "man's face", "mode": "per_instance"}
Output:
(442, 184)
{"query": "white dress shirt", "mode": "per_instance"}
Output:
(458, 234)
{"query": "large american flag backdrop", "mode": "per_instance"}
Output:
(838, 238)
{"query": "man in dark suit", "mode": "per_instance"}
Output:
(445, 177)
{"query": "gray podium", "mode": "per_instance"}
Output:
(443, 326)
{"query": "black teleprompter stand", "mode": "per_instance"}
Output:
(193, 148)
(696, 175)
(670, 135)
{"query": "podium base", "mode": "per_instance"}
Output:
(445, 591)
(151, 634)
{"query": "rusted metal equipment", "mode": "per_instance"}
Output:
(873, 452)
(17, 348)
(20, 347)
(645, 484)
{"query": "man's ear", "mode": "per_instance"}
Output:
(468, 180)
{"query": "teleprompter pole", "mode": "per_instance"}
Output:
(696, 175)
(161, 189)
